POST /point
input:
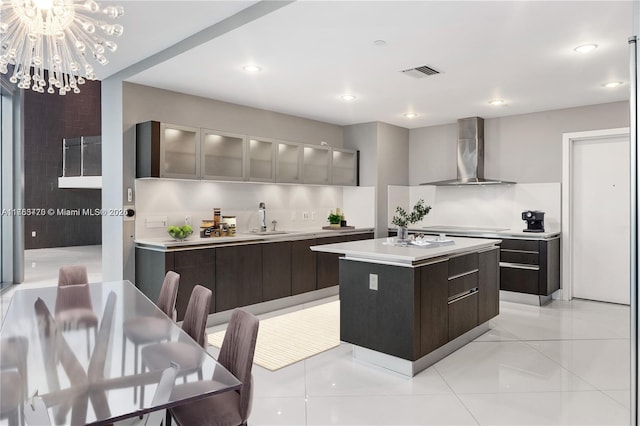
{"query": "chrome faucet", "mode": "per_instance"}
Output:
(262, 216)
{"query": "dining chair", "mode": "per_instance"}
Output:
(74, 309)
(148, 329)
(159, 356)
(143, 330)
(13, 357)
(12, 397)
(236, 355)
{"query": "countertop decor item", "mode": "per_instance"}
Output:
(334, 219)
(402, 219)
(180, 233)
(57, 36)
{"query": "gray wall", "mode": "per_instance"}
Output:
(384, 160)
(523, 148)
(393, 167)
(143, 103)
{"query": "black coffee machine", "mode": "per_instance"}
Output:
(534, 219)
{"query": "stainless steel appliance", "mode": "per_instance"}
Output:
(534, 219)
(470, 170)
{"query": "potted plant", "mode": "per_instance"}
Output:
(402, 219)
(334, 219)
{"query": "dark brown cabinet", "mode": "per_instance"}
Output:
(463, 314)
(488, 285)
(196, 267)
(303, 262)
(238, 276)
(530, 266)
(327, 263)
(434, 315)
(276, 270)
(242, 274)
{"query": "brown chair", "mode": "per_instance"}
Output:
(159, 356)
(149, 329)
(74, 309)
(236, 355)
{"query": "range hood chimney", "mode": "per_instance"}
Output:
(470, 155)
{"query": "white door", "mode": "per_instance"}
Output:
(600, 219)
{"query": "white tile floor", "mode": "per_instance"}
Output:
(566, 363)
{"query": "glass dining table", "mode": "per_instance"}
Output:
(92, 375)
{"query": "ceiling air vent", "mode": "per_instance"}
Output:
(420, 72)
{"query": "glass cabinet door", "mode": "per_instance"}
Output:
(289, 162)
(262, 166)
(179, 150)
(222, 155)
(344, 167)
(315, 165)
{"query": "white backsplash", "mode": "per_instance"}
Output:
(495, 206)
(176, 199)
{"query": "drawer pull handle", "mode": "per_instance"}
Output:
(519, 266)
(520, 251)
(473, 271)
(463, 295)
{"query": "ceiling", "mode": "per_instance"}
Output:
(312, 52)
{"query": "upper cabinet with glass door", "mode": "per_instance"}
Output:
(289, 162)
(223, 155)
(167, 150)
(315, 165)
(261, 160)
(344, 167)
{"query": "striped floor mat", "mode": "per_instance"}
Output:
(292, 337)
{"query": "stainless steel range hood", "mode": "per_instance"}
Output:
(470, 155)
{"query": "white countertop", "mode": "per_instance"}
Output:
(384, 251)
(486, 232)
(167, 243)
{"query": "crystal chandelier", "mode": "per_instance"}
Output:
(57, 36)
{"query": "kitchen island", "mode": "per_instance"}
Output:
(404, 307)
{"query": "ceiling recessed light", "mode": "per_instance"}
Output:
(252, 68)
(347, 97)
(379, 42)
(410, 115)
(497, 102)
(612, 84)
(586, 48)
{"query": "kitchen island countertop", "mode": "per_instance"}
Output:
(384, 249)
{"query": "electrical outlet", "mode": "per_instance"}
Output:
(305, 215)
(293, 215)
(373, 281)
(313, 215)
(33, 233)
(187, 220)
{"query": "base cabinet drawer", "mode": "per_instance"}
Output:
(519, 279)
(463, 315)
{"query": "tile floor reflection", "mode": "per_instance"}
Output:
(566, 363)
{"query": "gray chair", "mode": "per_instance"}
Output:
(13, 357)
(236, 355)
(12, 397)
(149, 329)
(160, 356)
(74, 309)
